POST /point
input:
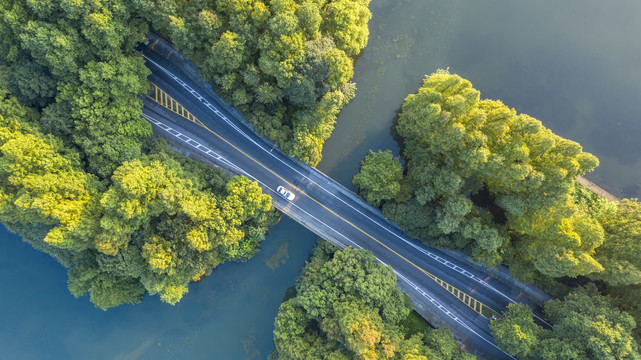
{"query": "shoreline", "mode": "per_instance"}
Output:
(596, 189)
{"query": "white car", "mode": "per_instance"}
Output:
(286, 193)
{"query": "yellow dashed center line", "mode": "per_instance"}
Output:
(170, 104)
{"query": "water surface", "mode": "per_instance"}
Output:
(572, 64)
(228, 315)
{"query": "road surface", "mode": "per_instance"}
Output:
(441, 286)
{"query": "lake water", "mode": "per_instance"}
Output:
(229, 315)
(572, 64)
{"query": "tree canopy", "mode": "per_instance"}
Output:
(347, 307)
(75, 62)
(586, 325)
(158, 223)
(284, 64)
(482, 178)
(82, 179)
(621, 249)
(379, 177)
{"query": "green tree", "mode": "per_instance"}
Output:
(278, 62)
(83, 180)
(106, 114)
(33, 83)
(309, 18)
(346, 21)
(379, 177)
(593, 325)
(586, 325)
(517, 333)
(84, 51)
(620, 254)
(347, 307)
(227, 53)
(105, 288)
(489, 175)
(39, 186)
(58, 49)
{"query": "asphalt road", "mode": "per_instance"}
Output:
(325, 207)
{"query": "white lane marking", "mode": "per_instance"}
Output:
(449, 313)
(382, 226)
(422, 250)
(190, 141)
(214, 155)
(240, 170)
(444, 309)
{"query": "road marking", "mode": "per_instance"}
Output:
(384, 228)
(449, 288)
(162, 98)
(214, 155)
(439, 306)
(422, 250)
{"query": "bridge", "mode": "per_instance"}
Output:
(445, 290)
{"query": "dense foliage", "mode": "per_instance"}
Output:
(483, 178)
(74, 61)
(347, 307)
(80, 176)
(158, 224)
(379, 177)
(586, 325)
(620, 253)
(499, 186)
(484, 172)
(284, 64)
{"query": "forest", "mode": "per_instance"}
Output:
(159, 222)
(81, 176)
(285, 65)
(83, 179)
(499, 186)
(347, 306)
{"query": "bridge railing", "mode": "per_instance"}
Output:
(161, 97)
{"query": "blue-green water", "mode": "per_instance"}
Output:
(572, 64)
(229, 315)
